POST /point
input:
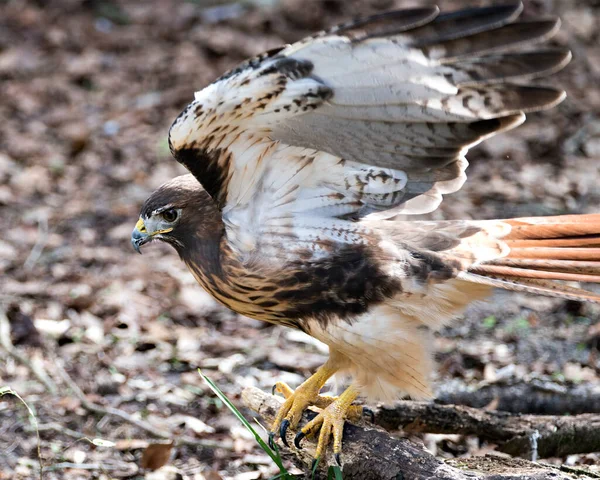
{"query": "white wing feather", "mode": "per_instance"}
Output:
(371, 119)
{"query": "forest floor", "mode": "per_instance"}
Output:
(89, 90)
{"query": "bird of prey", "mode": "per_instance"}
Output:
(307, 166)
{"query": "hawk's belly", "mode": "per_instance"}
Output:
(342, 285)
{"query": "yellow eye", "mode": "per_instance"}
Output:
(170, 215)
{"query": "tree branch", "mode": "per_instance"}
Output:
(372, 454)
(536, 396)
(558, 435)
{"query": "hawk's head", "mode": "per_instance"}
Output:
(179, 212)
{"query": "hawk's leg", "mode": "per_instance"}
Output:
(306, 395)
(331, 423)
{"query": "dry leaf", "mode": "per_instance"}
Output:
(156, 455)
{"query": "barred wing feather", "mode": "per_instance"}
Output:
(373, 117)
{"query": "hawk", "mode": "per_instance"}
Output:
(306, 163)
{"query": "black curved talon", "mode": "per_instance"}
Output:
(298, 438)
(272, 440)
(282, 431)
(338, 459)
(273, 389)
(367, 411)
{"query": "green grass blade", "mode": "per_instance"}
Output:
(314, 468)
(335, 473)
(274, 455)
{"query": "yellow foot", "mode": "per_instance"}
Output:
(354, 414)
(296, 402)
(331, 423)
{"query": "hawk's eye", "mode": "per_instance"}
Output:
(170, 215)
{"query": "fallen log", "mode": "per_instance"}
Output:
(371, 453)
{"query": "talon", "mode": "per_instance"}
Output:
(282, 431)
(338, 459)
(283, 389)
(298, 438)
(370, 413)
(272, 440)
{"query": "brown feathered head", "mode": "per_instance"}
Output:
(180, 212)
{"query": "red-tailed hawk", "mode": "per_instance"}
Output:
(303, 158)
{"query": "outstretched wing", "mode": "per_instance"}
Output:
(372, 117)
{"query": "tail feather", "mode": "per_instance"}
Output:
(537, 274)
(583, 267)
(583, 241)
(543, 252)
(556, 253)
(543, 228)
(542, 287)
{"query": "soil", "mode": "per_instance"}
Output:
(89, 89)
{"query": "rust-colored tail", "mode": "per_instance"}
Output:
(542, 252)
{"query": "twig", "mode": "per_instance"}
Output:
(44, 427)
(372, 454)
(93, 407)
(57, 427)
(7, 345)
(83, 466)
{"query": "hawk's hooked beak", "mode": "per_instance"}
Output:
(139, 236)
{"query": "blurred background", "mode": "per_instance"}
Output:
(88, 91)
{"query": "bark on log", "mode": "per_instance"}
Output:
(558, 435)
(372, 454)
(538, 397)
